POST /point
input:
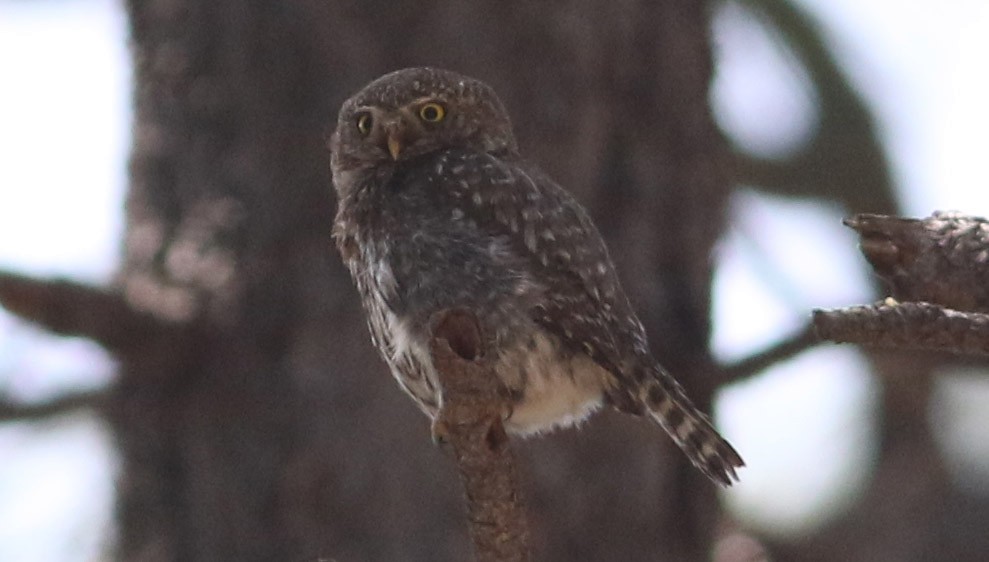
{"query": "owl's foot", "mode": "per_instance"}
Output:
(440, 432)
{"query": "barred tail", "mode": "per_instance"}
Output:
(689, 427)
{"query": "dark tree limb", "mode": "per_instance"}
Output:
(906, 326)
(14, 411)
(75, 309)
(844, 160)
(782, 350)
(471, 421)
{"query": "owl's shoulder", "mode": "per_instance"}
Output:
(541, 219)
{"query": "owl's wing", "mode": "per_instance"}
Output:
(585, 305)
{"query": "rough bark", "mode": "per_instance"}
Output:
(942, 259)
(906, 326)
(470, 420)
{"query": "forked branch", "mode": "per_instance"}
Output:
(939, 264)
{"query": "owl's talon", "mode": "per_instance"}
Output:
(440, 433)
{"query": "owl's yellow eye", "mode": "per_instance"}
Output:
(432, 112)
(364, 123)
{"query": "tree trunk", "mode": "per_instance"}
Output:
(260, 425)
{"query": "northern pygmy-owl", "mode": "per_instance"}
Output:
(437, 210)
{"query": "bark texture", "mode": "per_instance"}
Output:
(470, 420)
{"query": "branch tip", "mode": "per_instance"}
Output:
(470, 419)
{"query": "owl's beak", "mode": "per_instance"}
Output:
(394, 146)
(396, 136)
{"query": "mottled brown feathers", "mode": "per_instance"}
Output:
(437, 211)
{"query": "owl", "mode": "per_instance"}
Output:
(438, 210)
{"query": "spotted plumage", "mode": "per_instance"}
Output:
(437, 210)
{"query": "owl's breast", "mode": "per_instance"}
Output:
(551, 386)
(394, 334)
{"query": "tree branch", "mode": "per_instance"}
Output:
(942, 259)
(906, 326)
(74, 309)
(471, 421)
(844, 161)
(780, 351)
(13, 411)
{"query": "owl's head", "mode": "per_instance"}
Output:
(408, 113)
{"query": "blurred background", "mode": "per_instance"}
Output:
(807, 426)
